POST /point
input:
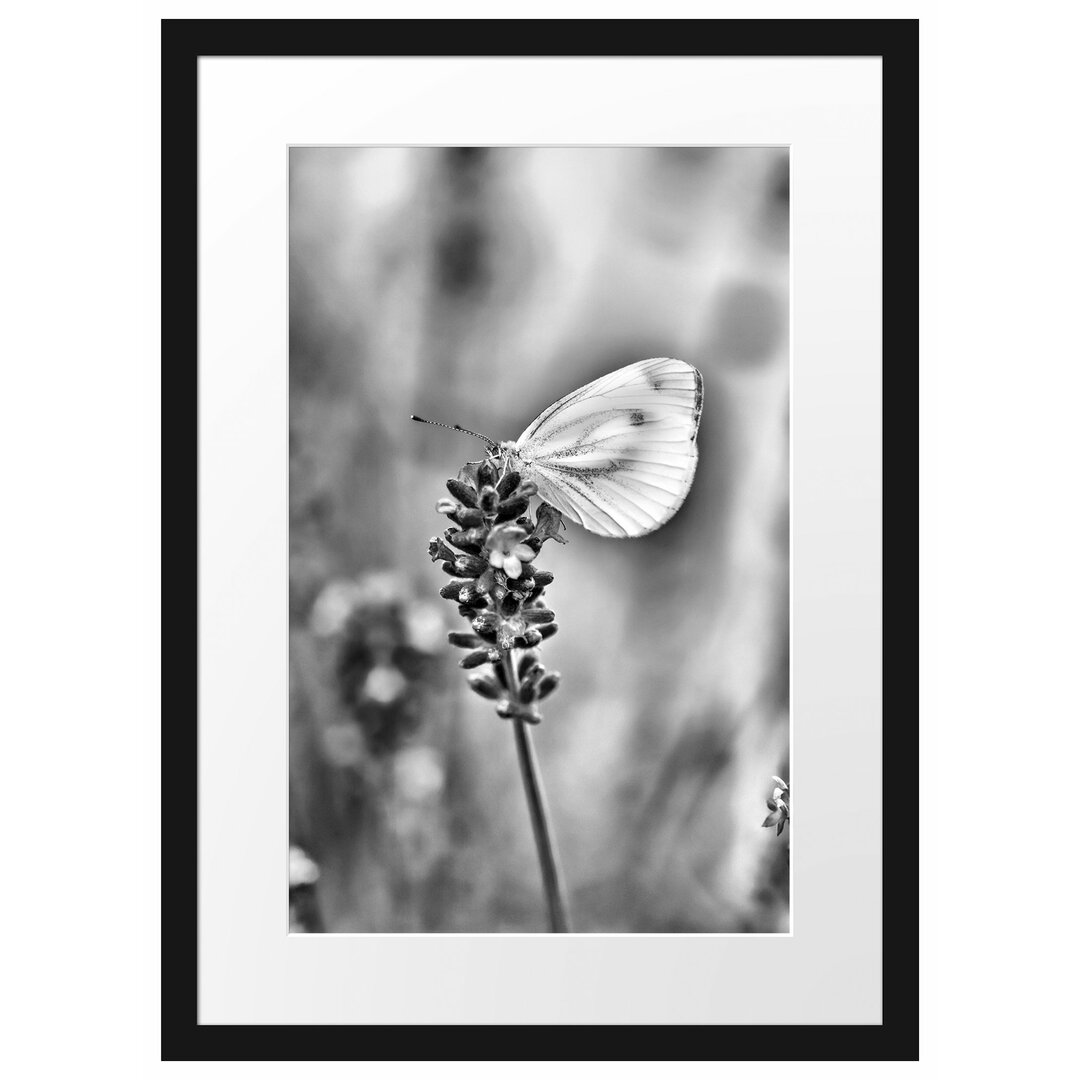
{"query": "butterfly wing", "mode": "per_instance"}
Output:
(618, 455)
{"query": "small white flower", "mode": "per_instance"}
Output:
(507, 551)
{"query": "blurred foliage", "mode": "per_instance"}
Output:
(476, 286)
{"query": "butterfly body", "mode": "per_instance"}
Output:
(618, 455)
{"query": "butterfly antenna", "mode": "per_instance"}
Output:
(453, 427)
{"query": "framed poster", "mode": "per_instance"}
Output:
(687, 280)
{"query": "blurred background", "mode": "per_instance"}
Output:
(476, 286)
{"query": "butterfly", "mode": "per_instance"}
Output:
(618, 455)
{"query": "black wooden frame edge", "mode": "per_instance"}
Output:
(183, 42)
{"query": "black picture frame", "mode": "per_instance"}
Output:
(183, 42)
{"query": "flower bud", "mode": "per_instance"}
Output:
(527, 694)
(470, 519)
(448, 568)
(438, 549)
(547, 631)
(531, 638)
(462, 492)
(451, 591)
(543, 577)
(511, 509)
(462, 640)
(465, 539)
(547, 684)
(537, 616)
(492, 582)
(489, 500)
(475, 659)
(446, 506)
(485, 474)
(485, 686)
(486, 622)
(525, 664)
(469, 566)
(527, 490)
(508, 484)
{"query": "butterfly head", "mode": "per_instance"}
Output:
(508, 455)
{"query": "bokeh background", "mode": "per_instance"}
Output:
(476, 286)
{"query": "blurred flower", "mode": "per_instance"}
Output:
(424, 627)
(419, 774)
(384, 685)
(779, 808)
(333, 606)
(302, 870)
(304, 916)
(343, 743)
(388, 646)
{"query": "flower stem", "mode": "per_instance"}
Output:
(558, 915)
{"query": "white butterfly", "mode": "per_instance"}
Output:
(618, 455)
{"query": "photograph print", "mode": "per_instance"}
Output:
(539, 540)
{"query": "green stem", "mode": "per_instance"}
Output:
(558, 915)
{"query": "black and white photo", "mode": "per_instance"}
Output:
(613, 580)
